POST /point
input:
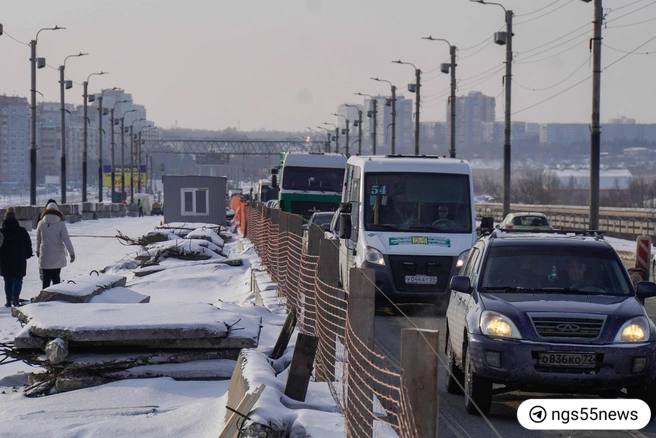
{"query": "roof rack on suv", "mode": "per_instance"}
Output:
(592, 233)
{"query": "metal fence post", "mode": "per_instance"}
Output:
(361, 312)
(328, 273)
(419, 364)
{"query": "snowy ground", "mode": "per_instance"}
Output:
(141, 407)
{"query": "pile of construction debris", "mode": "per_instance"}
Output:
(81, 345)
(176, 241)
(95, 329)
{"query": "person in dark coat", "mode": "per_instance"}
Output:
(15, 250)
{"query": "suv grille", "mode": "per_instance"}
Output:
(568, 327)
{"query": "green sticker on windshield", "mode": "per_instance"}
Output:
(420, 240)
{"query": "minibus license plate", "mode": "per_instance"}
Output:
(421, 279)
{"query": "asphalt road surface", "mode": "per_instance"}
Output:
(454, 421)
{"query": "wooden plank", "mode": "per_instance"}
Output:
(231, 428)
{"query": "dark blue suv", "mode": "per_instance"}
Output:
(548, 312)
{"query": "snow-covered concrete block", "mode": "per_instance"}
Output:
(207, 234)
(120, 295)
(80, 290)
(161, 325)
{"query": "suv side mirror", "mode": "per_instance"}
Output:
(344, 225)
(460, 283)
(645, 289)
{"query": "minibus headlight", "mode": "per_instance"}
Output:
(462, 258)
(375, 257)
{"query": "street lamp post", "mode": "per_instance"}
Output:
(64, 84)
(34, 64)
(450, 68)
(85, 150)
(359, 122)
(506, 38)
(132, 158)
(113, 121)
(336, 135)
(346, 131)
(123, 151)
(327, 147)
(139, 144)
(372, 114)
(393, 90)
(417, 90)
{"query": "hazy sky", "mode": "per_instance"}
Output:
(288, 64)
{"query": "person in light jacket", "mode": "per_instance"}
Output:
(14, 252)
(52, 242)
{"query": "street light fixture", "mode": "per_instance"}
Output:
(101, 112)
(34, 64)
(327, 147)
(123, 129)
(132, 158)
(85, 98)
(414, 88)
(446, 68)
(505, 38)
(113, 122)
(64, 85)
(372, 114)
(346, 131)
(393, 90)
(359, 125)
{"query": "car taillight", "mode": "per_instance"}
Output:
(508, 227)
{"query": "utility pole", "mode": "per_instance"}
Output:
(131, 164)
(417, 107)
(374, 116)
(508, 122)
(393, 119)
(452, 102)
(337, 139)
(64, 85)
(113, 171)
(502, 38)
(139, 163)
(359, 132)
(122, 157)
(348, 130)
(62, 176)
(393, 104)
(595, 133)
(33, 62)
(85, 135)
(100, 151)
(450, 68)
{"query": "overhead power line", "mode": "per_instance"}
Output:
(535, 11)
(555, 84)
(529, 20)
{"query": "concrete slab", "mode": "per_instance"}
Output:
(80, 290)
(161, 325)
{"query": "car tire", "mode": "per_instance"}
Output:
(455, 378)
(646, 394)
(478, 390)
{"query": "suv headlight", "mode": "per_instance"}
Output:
(462, 258)
(374, 256)
(498, 326)
(634, 330)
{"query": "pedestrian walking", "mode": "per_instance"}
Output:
(52, 244)
(15, 249)
(140, 207)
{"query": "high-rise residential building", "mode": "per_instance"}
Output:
(472, 111)
(14, 141)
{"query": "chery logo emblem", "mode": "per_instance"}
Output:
(568, 327)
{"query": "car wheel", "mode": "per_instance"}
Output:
(455, 378)
(646, 394)
(478, 390)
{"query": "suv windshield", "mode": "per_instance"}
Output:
(313, 178)
(552, 268)
(428, 202)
